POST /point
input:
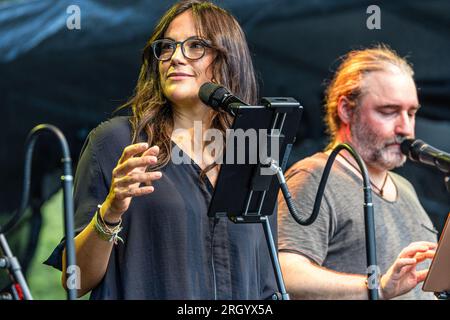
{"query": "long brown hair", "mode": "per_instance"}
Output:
(232, 68)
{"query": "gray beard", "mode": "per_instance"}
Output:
(373, 149)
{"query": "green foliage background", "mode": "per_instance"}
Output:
(44, 281)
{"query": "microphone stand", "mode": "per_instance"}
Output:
(369, 224)
(254, 183)
(19, 288)
(67, 182)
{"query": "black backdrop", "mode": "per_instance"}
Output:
(74, 79)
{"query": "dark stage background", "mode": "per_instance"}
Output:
(74, 79)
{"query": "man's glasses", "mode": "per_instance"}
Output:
(193, 48)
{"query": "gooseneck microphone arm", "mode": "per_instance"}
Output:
(67, 182)
(369, 221)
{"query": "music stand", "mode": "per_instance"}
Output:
(246, 190)
(438, 277)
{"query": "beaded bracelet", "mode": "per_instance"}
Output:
(105, 232)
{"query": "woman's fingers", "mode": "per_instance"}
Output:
(128, 186)
(130, 173)
(133, 163)
(153, 151)
(133, 150)
(123, 193)
(136, 177)
(129, 162)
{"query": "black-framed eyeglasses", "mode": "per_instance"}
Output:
(193, 48)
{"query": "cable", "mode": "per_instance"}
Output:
(369, 223)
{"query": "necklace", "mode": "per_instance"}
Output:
(380, 190)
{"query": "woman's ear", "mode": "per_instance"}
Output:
(344, 109)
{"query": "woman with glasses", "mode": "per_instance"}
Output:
(142, 225)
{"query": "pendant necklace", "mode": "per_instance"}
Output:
(380, 190)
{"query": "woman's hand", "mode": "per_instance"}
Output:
(127, 177)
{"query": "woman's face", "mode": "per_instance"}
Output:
(181, 77)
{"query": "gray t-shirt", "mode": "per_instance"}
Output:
(336, 240)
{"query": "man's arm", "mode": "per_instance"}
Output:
(306, 280)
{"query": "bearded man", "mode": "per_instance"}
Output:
(371, 103)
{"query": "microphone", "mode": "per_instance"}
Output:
(419, 151)
(218, 97)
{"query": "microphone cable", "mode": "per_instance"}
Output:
(368, 209)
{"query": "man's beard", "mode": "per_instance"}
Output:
(375, 149)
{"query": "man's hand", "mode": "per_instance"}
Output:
(402, 276)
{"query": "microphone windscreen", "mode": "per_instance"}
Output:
(405, 146)
(412, 148)
(212, 94)
(206, 91)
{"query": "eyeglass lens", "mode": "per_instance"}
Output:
(191, 48)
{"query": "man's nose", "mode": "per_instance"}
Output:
(405, 125)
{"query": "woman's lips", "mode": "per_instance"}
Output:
(179, 75)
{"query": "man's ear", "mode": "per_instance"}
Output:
(344, 109)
